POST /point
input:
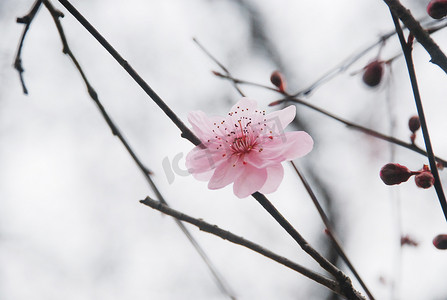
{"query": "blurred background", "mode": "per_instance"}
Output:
(71, 225)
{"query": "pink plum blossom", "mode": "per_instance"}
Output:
(246, 148)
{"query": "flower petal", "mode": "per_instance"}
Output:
(200, 123)
(200, 160)
(275, 174)
(289, 146)
(298, 144)
(250, 181)
(205, 127)
(278, 120)
(205, 176)
(225, 173)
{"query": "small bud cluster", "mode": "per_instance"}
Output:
(373, 73)
(414, 124)
(392, 174)
(437, 9)
(279, 81)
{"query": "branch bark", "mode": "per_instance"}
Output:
(437, 56)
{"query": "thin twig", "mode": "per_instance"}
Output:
(241, 81)
(331, 231)
(27, 20)
(219, 64)
(343, 280)
(226, 235)
(407, 50)
(363, 129)
(186, 132)
(437, 56)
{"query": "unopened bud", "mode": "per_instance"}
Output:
(440, 241)
(437, 9)
(414, 124)
(217, 74)
(278, 80)
(394, 174)
(373, 73)
(424, 180)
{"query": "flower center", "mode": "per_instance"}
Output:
(244, 141)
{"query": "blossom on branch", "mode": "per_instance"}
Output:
(246, 148)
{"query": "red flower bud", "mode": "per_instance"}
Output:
(424, 180)
(437, 9)
(278, 80)
(373, 73)
(440, 241)
(407, 240)
(394, 174)
(414, 124)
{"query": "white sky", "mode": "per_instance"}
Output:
(71, 226)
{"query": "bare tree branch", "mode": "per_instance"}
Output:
(342, 279)
(404, 14)
(186, 132)
(331, 231)
(27, 20)
(226, 235)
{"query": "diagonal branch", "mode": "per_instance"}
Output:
(342, 279)
(186, 132)
(226, 235)
(27, 20)
(331, 231)
(363, 129)
(407, 50)
(404, 14)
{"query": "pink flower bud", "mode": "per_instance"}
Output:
(394, 174)
(437, 9)
(278, 80)
(414, 124)
(440, 241)
(424, 180)
(373, 73)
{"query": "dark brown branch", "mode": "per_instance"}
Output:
(226, 235)
(342, 279)
(330, 231)
(27, 20)
(363, 129)
(422, 36)
(186, 132)
(407, 50)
